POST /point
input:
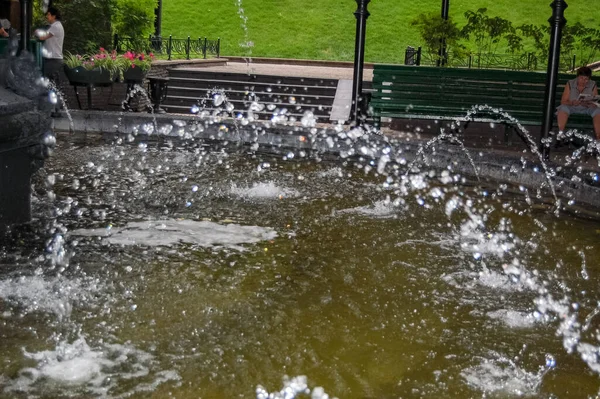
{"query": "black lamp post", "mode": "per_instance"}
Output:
(557, 22)
(442, 53)
(359, 57)
(158, 19)
(25, 24)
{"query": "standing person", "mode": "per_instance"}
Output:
(571, 101)
(53, 39)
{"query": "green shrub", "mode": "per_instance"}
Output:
(87, 23)
(91, 24)
(133, 18)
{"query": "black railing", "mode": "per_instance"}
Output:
(170, 46)
(516, 62)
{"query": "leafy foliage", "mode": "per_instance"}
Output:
(87, 23)
(90, 24)
(133, 18)
(489, 32)
(433, 29)
(487, 35)
(578, 43)
(110, 61)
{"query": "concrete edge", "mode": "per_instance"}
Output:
(300, 62)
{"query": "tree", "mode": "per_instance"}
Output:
(134, 19)
(578, 42)
(87, 23)
(433, 29)
(489, 32)
(90, 24)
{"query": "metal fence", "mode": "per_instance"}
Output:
(516, 62)
(170, 46)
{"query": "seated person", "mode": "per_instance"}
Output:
(571, 102)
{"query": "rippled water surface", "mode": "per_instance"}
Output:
(188, 272)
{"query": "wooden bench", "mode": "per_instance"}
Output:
(417, 92)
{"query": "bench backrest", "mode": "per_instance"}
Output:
(457, 89)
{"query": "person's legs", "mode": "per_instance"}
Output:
(51, 70)
(562, 116)
(597, 125)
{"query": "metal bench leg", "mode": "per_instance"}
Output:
(507, 134)
(89, 97)
(77, 96)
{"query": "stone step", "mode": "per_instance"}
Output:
(243, 105)
(251, 86)
(197, 73)
(261, 97)
(261, 115)
(190, 86)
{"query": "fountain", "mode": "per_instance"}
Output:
(26, 138)
(216, 256)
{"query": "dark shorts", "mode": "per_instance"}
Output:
(579, 109)
(52, 68)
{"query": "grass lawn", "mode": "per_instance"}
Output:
(325, 29)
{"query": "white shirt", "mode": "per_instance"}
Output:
(53, 47)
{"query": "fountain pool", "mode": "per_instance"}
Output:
(177, 270)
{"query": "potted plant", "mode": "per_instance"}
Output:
(135, 66)
(96, 69)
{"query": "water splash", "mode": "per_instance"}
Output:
(442, 136)
(95, 370)
(55, 95)
(246, 44)
(524, 133)
(292, 388)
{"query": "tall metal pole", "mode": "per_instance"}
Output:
(25, 27)
(557, 22)
(359, 57)
(158, 19)
(442, 52)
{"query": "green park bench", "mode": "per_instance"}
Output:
(417, 92)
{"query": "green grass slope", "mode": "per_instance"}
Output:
(325, 29)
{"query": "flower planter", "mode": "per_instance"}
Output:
(82, 76)
(134, 75)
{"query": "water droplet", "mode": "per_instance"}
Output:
(52, 97)
(308, 119)
(218, 99)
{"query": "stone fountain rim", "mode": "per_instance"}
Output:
(495, 165)
(11, 103)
